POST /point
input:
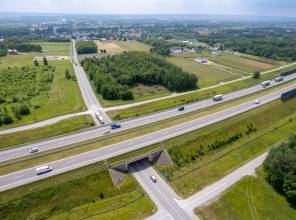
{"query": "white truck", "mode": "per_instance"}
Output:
(217, 98)
(100, 117)
(43, 170)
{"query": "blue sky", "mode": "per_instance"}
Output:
(228, 7)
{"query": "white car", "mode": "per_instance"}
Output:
(257, 102)
(153, 179)
(106, 132)
(34, 150)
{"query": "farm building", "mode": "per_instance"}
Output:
(201, 60)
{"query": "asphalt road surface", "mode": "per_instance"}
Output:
(158, 192)
(128, 124)
(88, 94)
(28, 175)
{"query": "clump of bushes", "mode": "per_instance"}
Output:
(112, 76)
(280, 166)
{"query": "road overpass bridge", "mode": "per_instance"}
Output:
(120, 169)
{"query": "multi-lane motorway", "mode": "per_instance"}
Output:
(28, 175)
(128, 124)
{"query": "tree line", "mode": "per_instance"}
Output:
(280, 166)
(86, 47)
(112, 76)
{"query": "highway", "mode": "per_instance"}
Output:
(28, 175)
(128, 124)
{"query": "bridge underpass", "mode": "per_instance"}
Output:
(119, 170)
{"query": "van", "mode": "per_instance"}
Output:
(266, 83)
(43, 170)
(217, 98)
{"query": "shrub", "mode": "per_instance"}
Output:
(280, 166)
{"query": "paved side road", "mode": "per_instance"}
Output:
(120, 107)
(88, 94)
(43, 123)
(160, 194)
(28, 175)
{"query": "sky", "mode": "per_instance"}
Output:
(283, 8)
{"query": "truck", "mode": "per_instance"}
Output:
(43, 170)
(266, 84)
(218, 98)
(115, 126)
(100, 117)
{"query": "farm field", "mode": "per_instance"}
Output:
(55, 48)
(62, 127)
(208, 74)
(121, 46)
(191, 97)
(245, 63)
(210, 153)
(256, 200)
(63, 97)
(141, 93)
(86, 193)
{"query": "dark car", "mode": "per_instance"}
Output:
(181, 109)
(115, 126)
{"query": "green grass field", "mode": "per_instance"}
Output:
(62, 127)
(121, 46)
(191, 97)
(206, 155)
(55, 48)
(250, 198)
(85, 193)
(141, 93)
(64, 96)
(207, 74)
(244, 63)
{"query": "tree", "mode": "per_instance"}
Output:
(45, 62)
(280, 166)
(256, 75)
(102, 195)
(67, 74)
(36, 63)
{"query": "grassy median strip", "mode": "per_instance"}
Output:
(60, 153)
(63, 127)
(83, 193)
(208, 154)
(191, 97)
(250, 198)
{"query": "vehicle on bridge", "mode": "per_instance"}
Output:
(43, 170)
(218, 98)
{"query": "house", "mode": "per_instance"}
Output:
(12, 51)
(201, 60)
(195, 50)
(176, 50)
